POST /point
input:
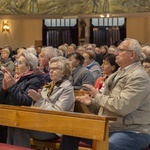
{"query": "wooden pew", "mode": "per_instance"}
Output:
(67, 123)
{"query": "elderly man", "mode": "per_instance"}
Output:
(127, 97)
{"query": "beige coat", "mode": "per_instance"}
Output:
(128, 98)
(61, 99)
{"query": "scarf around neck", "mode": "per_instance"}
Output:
(50, 86)
(18, 76)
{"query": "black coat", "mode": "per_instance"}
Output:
(17, 94)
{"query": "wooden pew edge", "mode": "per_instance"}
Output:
(63, 113)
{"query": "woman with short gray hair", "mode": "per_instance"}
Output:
(30, 59)
(15, 89)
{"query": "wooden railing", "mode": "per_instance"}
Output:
(67, 123)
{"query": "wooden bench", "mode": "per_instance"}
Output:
(67, 123)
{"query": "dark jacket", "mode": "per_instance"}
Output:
(1, 79)
(81, 75)
(17, 94)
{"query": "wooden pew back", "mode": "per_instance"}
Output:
(80, 108)
(74, 124)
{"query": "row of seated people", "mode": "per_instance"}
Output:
(124, 93)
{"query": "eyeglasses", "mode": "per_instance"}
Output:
(54, 68)
(119, 50)
(18, 62)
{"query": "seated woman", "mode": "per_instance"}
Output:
(80, 74)
(6, 61)
(109, 66)
(146, 64)
(15, 89)
(57, 95)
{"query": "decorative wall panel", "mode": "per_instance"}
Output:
(72, 7)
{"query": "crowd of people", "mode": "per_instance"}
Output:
(117, 77)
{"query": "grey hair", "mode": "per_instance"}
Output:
(32, 50)
(81, 47)
(135, 46)
(6, 50)
(59, 52)
(146, 50)
(31, 59)
(64, 64)
(50, 52)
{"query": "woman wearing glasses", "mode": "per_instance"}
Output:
(15, 89)
(58, 95)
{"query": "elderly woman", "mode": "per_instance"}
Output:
(6, 61)
(15, 89)
(58, 95)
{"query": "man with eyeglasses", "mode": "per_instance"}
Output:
(127, 97)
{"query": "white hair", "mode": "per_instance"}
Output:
(50, 52)
(32, 50)
(135, 46)
(31, 59)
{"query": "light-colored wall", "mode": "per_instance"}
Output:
(23, 32)
(139, 28)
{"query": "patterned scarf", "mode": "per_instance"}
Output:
(50, 86)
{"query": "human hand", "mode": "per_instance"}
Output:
(93, 91)
(8, 80)
(34, 94)
(85, 99)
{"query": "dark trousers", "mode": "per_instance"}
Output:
(72, 143)
(3, 134)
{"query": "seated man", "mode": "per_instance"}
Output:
(80, 74)
(126, 96)
(91, 64)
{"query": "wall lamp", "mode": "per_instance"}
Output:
(5, 26)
